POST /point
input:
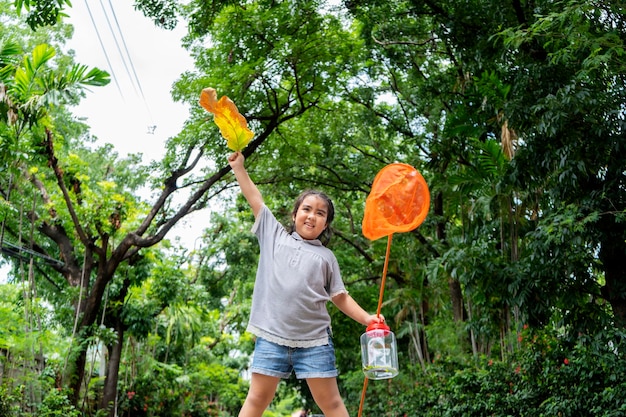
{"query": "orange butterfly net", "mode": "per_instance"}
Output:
(398, 202)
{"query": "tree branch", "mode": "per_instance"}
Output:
(58, 173)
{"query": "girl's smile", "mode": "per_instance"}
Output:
(311, 218)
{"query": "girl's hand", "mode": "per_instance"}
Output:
(235, 160)
(234, 156)
(378, 319)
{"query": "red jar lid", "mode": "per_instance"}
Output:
(378, 326)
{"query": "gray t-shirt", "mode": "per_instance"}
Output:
(294, 281)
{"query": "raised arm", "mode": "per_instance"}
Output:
(248, 188)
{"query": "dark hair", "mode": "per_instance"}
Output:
(330, 214)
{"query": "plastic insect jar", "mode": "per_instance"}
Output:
(379, 352)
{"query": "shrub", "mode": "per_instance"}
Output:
(57, 404)
(550, 376)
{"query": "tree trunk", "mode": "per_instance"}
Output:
(456, 293)
(456, 297)
(109, 394)
(88, 311)
(77, 371)
(416, 338)
(612, 255)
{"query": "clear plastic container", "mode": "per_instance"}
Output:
(379, 352)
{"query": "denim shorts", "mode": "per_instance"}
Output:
(279, 361)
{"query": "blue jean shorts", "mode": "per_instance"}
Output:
(279, 361)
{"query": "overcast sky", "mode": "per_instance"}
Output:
(135, 111)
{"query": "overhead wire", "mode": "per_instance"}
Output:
(126, 57)
(106, 56)
(117, 45)
(130, 60)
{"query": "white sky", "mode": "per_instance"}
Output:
(122, 115)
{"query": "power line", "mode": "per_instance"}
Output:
(17, 251)
(106, 16)
(127, 61)
(130, 60)
(106, 56)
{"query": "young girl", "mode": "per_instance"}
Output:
(295, 278)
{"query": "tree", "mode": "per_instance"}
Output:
(577, 133)
(504, 72)
(513, 112)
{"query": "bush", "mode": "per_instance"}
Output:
(57, 403)
(586, 379)
(549, 377)
(6, 403)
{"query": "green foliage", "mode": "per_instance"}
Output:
(203, 388)
(41, 12)
(57, 403)
(162, 12)
(34, 85)
(11, 315)
(549, 377)
(8, 402)
(559, 376)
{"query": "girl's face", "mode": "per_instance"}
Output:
(311, 217)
